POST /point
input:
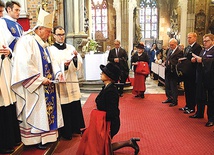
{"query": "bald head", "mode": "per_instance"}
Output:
(191, 38)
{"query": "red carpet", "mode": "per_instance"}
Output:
(163, 130)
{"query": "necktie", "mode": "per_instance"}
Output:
(117, 52)
(170, 53)
(204, 52)
(187, 50)
(167, 60)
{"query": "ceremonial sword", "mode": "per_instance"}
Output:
(57, 81)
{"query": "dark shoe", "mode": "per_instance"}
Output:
(208, 124)
(41, 147)
(189, 111)
(167, 101)
(66, 138)
(134, 145)
(121, 95)
(173, 104)
(195, 116)
(137, 96)
(6, 151)
(82, 131)
(142, 96)
(184, 108)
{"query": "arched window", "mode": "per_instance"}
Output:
(99, 17)
(148, 18)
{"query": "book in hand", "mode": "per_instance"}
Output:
(195, 56)
(181, 59)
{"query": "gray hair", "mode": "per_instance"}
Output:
(173, 40)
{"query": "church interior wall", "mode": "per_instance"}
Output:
(34, 5)
(165, 10)
(207, 8)
(164, 20)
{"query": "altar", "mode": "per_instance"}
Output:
(92, 64)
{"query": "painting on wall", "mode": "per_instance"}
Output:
(200, 19)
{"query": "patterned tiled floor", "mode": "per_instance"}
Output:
(151, 88)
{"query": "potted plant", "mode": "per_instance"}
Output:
(91, 46)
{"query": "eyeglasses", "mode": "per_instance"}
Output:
(206, 41)
(60, 35)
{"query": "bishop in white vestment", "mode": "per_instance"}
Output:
(38, 104)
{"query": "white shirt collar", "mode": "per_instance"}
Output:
(10, 18)
(209, 48)
(192, 44)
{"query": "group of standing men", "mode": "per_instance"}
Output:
(28, 89)
(198, 74)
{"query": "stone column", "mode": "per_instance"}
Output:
(74, 22)
(74, 25)
(132, 5)
(190, 16)
(183, 26)
(90, 21)
(117, 6)
(76, 16)
(124, 24)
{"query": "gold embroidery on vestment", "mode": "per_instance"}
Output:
(50, 110)
(13, 30)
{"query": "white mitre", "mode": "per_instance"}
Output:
(45, 19)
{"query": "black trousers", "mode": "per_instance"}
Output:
(123, 79)
(190, 92)
(9, 130)
(73, 119)
(210, 110)
(210, 105)
(171, 87)
(205, 97)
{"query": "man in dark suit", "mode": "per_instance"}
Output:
(190, 76)
(171, 78)
(204, 80)
(119, 57)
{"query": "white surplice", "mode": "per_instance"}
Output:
(69, 91)
(7, 96)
